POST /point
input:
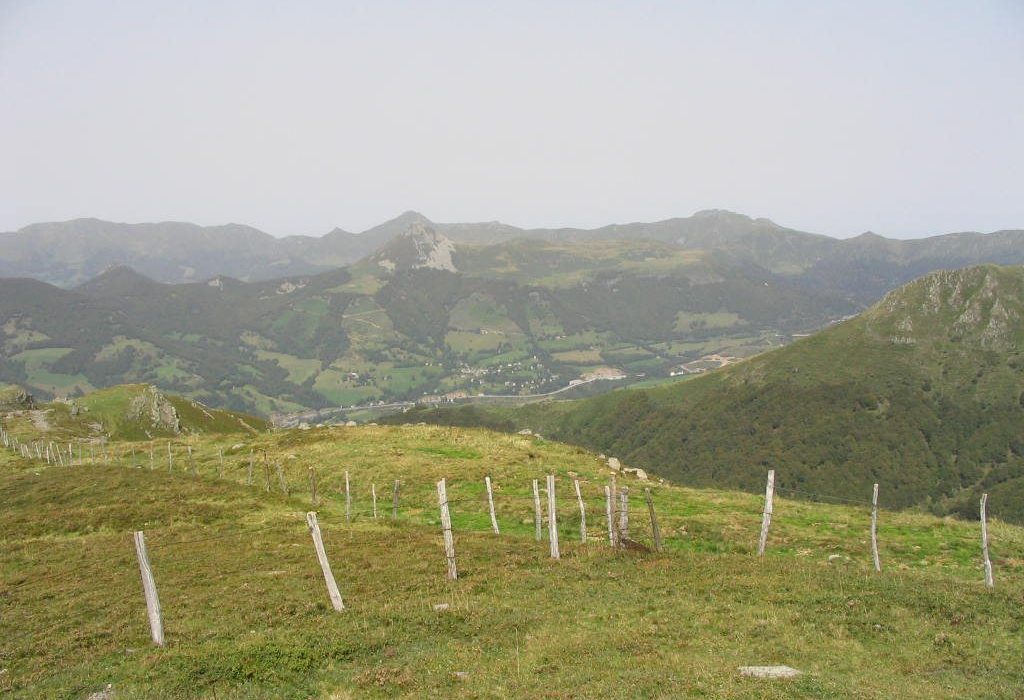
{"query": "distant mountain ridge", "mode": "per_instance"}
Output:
(865, 267)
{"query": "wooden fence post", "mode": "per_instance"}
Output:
(282, 481)
(552, 518)
(152, 458)
(766, 518)
(874, 529)
(248, 474)
(170, 457)
(312, 486)
(446, 529)
(490, 505)
(191, 462)
(348, 500)
(373, 493)
(537, 525)
(623, 514)
(266, 472)
(654, 520)
(608, 510)
(984, 543)
(156, 622)
(583, 512)
(394, 500)
(325, 566)
(220, 464)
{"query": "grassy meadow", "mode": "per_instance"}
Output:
(246, 612)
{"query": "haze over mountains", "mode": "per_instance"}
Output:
(429, 309)
(69, 253)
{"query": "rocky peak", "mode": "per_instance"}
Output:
(419, 246)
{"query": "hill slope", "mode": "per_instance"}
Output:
(923, 393)
(246, 613)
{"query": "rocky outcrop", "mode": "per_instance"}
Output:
(152, 406)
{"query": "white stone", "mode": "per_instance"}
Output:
(440, 607)
(769, 671)
(614, 463)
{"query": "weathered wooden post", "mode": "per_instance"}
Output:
(984, 543)
(282, 481)
(874, 529)
(373, 494)
(248, 474)
(220, 464)
(191, 462)
(609, 514)
(537, 518)
(170, 457)
(654, 520)
(446, 529)
(583, 512)
(766, 519)
(623, 514)
(348, 500)
(325, 565)
(156, 623)
(490, 505)
(394, 500)
(552, 518)
(152, 458)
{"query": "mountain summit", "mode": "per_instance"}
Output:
(419, 246)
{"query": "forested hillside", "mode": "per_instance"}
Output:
(923, 393)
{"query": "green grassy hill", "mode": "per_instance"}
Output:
(923, 393)
(247, 615)
(137, 412)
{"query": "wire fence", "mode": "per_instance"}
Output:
(630, 511)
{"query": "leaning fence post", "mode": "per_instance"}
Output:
(325, 566)
(654, 520)
(156, 623)
(348, 501)
(874, 529)
(552, 518)
(984, 543)
(490, 505)
(536, 511)
(446, 529)
(608, 513)
(766, 519)
(583, 512)
(394, 501)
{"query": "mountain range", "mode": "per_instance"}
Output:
(71, 252)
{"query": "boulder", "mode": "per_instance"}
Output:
(613, 463)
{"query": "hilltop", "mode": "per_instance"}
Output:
(246, 613)
(130, 412)
(924, 393)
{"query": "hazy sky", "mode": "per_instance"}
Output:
(906, 118)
